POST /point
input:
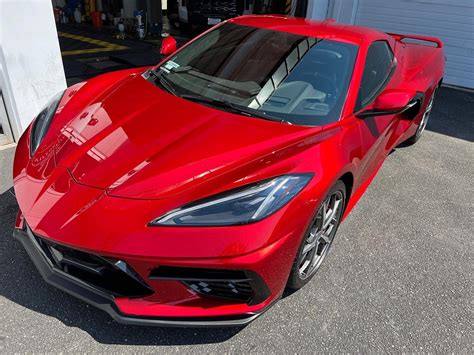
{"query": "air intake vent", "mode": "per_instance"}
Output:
(237, 285)
(114, 277)
(238, 291)
(178, 273)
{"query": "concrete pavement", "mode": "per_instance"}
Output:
(399, 277)
(6, 162)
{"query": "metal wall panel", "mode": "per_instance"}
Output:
(452, 21)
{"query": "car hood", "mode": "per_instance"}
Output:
(138, 141)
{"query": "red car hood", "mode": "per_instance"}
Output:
(140, 142)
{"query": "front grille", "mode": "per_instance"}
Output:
(236, 285)
(112, 276)
(214, 7)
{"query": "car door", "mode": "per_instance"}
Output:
(375, 131)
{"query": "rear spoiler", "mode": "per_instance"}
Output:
(434, 40)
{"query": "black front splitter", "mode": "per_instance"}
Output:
(105, 302)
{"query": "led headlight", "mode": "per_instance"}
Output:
(244, 205)
(43, 121)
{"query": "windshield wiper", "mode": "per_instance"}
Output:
(163, 82)
(243, 110)
(184, 69)
(243, 88)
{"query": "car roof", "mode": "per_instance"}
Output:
(328, 29)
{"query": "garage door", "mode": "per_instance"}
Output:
(450, 20)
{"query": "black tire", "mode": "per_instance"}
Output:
(322, 243)
(424, 121)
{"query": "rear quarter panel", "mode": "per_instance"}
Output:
(422, 65)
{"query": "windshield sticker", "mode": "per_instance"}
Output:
(171, 65)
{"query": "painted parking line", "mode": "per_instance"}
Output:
(104, 46)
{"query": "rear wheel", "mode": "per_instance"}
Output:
(318, 239)
(423, 122)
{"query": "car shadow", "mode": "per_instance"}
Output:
(23, 285)
(452, 114)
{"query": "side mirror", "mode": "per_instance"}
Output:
(168, 46)
(391, 102)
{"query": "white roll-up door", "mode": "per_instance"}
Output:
(450, 20)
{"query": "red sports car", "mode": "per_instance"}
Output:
(194, 192)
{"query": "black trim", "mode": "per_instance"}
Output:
(260, 290)
(105, 302)
(414, 109)
(112, 276)
(373, 112)
(196, 274)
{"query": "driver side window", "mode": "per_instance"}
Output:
(378, 68)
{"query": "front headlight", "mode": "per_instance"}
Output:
(244, 205)
(43, 121)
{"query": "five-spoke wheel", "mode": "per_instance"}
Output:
(318, 239)
(320, 236)
(426, 115)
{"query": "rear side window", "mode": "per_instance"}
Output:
(377, 70)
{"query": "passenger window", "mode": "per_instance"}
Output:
(378, 67)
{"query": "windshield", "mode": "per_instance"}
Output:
(298, 79)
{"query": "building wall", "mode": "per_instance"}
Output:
(317, 10)
(452, 21)
(343, 11)
(31, 68)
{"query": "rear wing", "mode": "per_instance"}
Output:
(434, 40)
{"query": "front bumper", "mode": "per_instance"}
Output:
(106, 302)
(89, 220)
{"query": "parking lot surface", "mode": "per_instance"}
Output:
(399, 276)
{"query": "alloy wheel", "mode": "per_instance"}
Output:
(426, 115)
(321, 235)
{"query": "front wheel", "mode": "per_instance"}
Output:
(318, 239)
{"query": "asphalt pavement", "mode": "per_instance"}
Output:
(87, 52)
(398, 279)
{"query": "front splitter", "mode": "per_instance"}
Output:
(105, 302)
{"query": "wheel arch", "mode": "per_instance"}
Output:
(348, 179)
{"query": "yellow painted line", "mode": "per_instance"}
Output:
(91, 50)
(105, 46)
